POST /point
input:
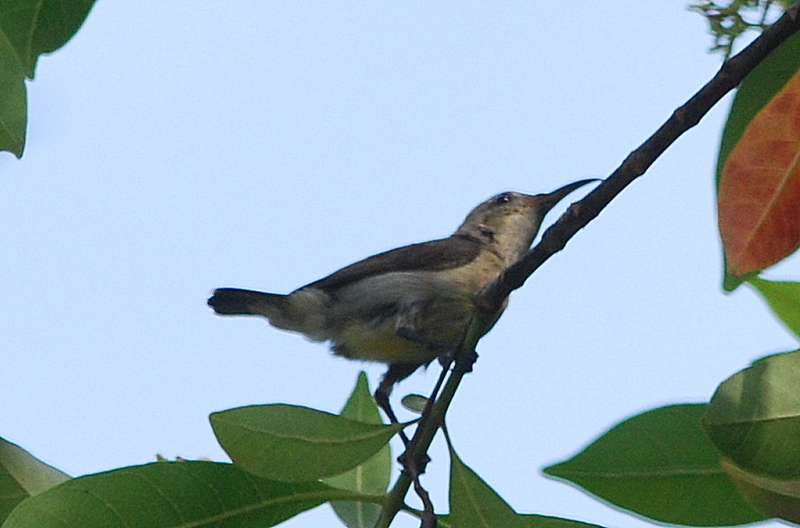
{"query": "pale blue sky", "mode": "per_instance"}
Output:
(175, 147)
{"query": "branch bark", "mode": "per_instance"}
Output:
(687, 116)
(577, 216)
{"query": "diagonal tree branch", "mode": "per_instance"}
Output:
(581, 213)
(577, 216)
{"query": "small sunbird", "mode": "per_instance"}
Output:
(408, 306)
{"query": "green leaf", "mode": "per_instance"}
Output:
(523, 520)
(474, 504)
(775, 498)
(783, 298)
(22, 475)
(29, 28)
(370, 478)
(296, 444)
(530, 520)
(754, 416)
(13, 106)
(34, 27)
(415, 403)
(661, 465)
(472, 501)
(753, 94)
(169, 494)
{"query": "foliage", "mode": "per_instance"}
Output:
(22, 475)
(163, 494)
(754, 180)
(371, 477)
(662, 465)
(279, 441)
(734, 460)
(731, 20)
(28, 29)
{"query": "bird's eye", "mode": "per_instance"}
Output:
(502, 198)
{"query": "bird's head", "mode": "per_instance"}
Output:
(509, 222)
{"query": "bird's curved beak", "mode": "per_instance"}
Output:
(548, 200)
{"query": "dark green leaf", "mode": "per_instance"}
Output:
(34, 27)
(370, 478)
(775, 498)
(474, 504)
(756, 90)
(22, 475)
(783, 298)
(524, 520)
(660, 465)
(754, 416)
(29, 28)
(13, 108)
(296, 444)
(472, 501)
(529, 520)
(169, 494)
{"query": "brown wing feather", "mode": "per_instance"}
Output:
(436, 255)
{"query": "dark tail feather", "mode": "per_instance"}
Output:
(233, 301)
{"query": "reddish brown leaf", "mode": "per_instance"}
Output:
(759, 189)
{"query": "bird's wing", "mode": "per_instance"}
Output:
(436, 255)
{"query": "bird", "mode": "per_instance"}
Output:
(408, 306)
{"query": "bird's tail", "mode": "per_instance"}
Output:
(233, 301)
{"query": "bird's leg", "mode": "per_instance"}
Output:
(397, 372)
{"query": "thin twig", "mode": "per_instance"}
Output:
(432, 419)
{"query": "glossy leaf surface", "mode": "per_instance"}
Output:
(23, 475)
(296, 444)
(754, 417)
(751, 225)
(759, 191)
(784, 300)
(774, 497)
(169, 494)
(369, 478)
(473, 503)
(660, 464)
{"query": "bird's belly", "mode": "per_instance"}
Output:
(382, 344)
(377, 339)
